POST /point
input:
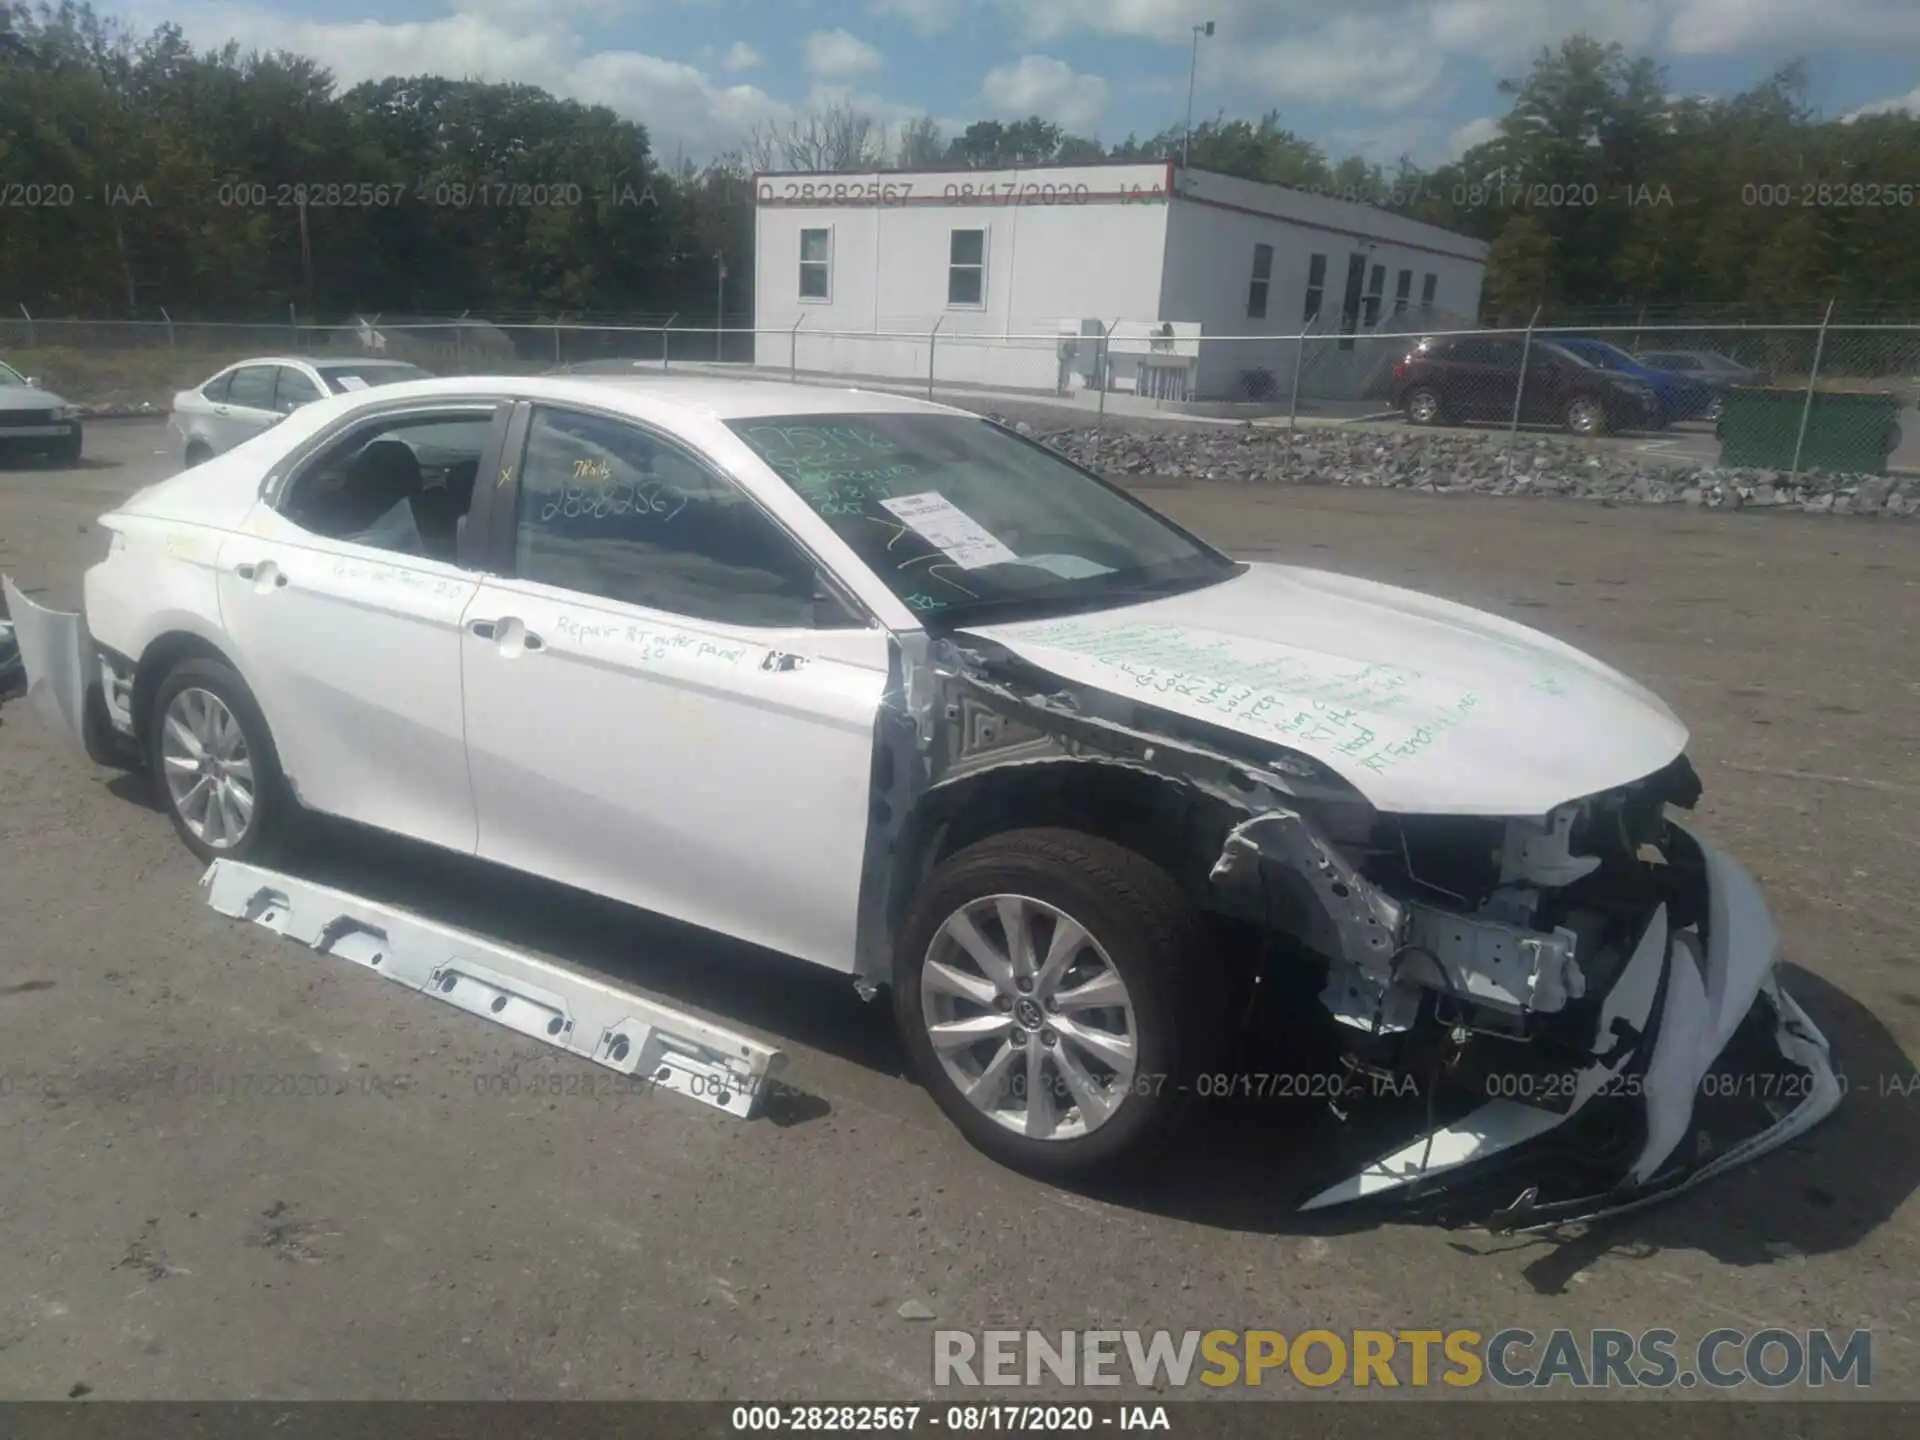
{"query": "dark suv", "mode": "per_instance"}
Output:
(1450, 379)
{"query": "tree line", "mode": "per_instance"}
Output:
(139, 174)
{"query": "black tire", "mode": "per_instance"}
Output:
(1425, 400)
(67, 450)
(1593, 406)
(275, 812)
(1155, 939)
(198, 453)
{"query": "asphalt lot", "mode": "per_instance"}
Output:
(406, 1235)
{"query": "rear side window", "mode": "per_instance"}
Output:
(216, 388)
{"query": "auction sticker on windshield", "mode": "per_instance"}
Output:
(949, 529)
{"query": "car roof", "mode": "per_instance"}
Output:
(331, 362)
(717, 398)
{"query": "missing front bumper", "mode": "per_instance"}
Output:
(77, 692)
(1696, 1018)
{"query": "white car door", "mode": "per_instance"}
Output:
(248, 406)
(349, 635)
(658, 708)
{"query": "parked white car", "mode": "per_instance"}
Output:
(889, 688)
(35, 420)
(255, 395)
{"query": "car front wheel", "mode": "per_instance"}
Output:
(66, 451)
(214, 763)
(1057, 995)
(1587, 416)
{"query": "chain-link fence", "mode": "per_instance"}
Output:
(1812, 396)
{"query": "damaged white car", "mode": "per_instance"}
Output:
(891, 689)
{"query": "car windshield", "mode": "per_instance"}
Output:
(342, 378)
(10, 376)
(1660, 361)
(968, 523)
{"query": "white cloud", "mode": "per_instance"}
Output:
(1725, 27)
(684, 108)
(929, 17)
(1474, 132)
(741, 56)
(840, 55)
(1052, 89)
(1908, 104)
(1393, 54)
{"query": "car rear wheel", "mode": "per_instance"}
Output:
(1057, 995)
(214, 764)
(1586, 416)
(1424, 407)
(198, 453)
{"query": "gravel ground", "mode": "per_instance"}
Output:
(423, 1229)
(1454, 461)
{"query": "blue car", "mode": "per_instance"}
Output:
(1680, 398)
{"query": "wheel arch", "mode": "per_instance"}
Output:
(1155, 816)
(157, 660)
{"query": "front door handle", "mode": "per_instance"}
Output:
(261, 574)
(511, 635)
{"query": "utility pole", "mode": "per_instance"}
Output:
(1193, 66)
(719, 303)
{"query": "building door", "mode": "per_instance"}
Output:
(1350, 305)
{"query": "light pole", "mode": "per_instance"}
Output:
(1186, 137)
(720, 304)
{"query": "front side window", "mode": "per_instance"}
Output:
(613, 511)
(967, 522)
(292, 390)
(1262, 279)
(252, 387)
(967, 268)
(816, 264)
(402, 485)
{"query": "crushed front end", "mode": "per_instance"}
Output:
(1588, 1005)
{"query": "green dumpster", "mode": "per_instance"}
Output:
(1848, 432)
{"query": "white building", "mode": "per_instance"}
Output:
(999, 266)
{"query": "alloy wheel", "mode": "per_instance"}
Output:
(209, 769)
(1029, 1017)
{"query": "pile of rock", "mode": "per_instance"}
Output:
(1460, 461)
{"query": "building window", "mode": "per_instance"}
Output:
(816, 264)
(1403, 292)
(1316, 289)
(1262, 279)
(1427, 290)
(1376, 288)
(967, 268)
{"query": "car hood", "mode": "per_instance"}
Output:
(22, 397)
(1423, 705)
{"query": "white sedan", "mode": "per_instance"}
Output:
(255, 395)
(888, 688)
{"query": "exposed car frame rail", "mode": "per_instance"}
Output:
(654, 1043)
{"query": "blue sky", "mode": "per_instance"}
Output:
(1374, 77)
